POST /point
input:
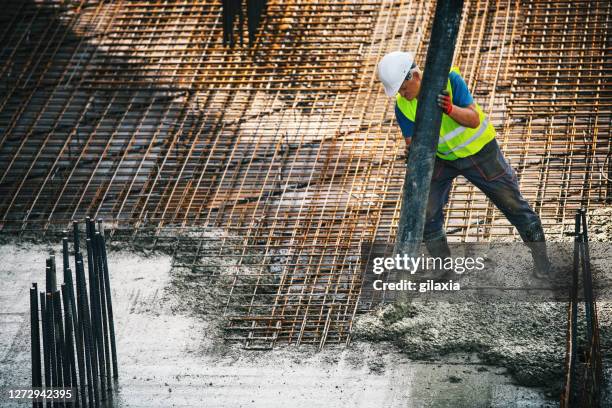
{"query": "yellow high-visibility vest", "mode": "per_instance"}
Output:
(455, 141)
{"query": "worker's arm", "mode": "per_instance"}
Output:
(461, 108)
(467, 116)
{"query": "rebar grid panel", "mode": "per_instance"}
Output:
(136, 112)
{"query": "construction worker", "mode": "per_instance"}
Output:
(467, 147)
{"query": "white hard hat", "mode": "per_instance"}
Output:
(393, 68)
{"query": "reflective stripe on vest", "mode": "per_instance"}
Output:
(455, 141)
(481, 129)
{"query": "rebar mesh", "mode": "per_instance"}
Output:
(135, 112)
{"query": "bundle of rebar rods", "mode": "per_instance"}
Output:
(78, 334)
(583, 377)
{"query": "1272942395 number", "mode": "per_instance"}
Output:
(40, 394)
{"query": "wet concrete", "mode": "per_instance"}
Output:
(526, 337)
(532, 350)
(171, 352)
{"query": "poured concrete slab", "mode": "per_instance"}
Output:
(172, 358)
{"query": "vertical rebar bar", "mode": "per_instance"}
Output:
(35, 341)
(109, 302)
(87, 235)
(96, 316)
(574, 305)
(69, 345)
(85, 324)
(50, 279)
(96, 244)
(45, 341)
(62, 369)
(52, 347)
(53, 267)
(77, 327)
(75, 235)
(65, 253)
(586, 275)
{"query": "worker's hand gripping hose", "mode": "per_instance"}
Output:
(444, 102)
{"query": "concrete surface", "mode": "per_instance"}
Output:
(170, 357)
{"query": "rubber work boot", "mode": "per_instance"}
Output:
(438, 248)
(534, 238)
